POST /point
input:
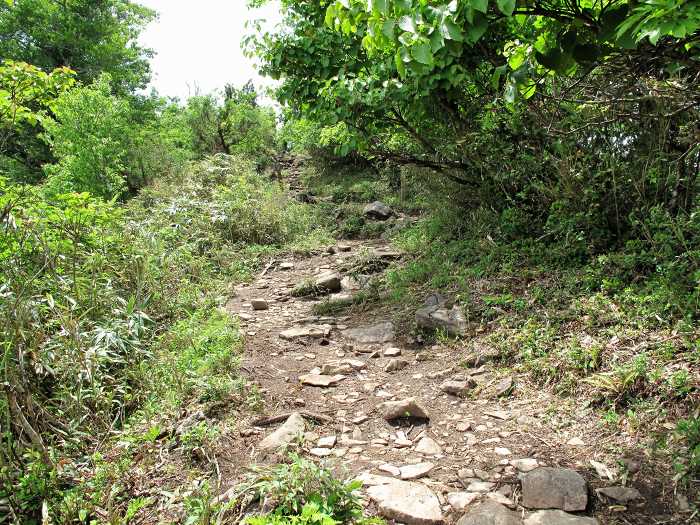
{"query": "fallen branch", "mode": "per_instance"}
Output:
(265, 421)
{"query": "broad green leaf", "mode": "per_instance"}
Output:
(451, 31)
(477, 29)
(408, 24)
(506, 6)
(422, 52)
(480, 5)
(388, 28)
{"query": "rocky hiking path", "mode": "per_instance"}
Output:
(434, 441)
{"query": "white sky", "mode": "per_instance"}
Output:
(198, 44)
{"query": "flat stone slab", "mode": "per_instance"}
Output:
(373, 334)
(558, 517)
(321, 380)
(418, 470)
(622, 495)
(405, 501)
(554, 488)
(284, 435)
(313, 331)
(490, 513)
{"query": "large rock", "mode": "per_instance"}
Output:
(284, 435)
(558, 517)
(328, 282)
(490, 513)
(377, 333)
(377, 210)
(405, 501)
(408, 407)
(554, 488)
(435, 317)
(313, 331)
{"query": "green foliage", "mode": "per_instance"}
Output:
(89, 37)
(687, 461)
(25, 93)
(91, 138)
(306, 494)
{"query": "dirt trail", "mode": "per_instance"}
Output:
(479, 446)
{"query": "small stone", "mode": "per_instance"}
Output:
(395, 364)
(390, 469)
(300, 402)
(284, 435)
(504, 387)
(558, 517)
(326, 442)
(575, 442)
(320, 452)
(428, 446)
(623, 495)
(602, 470)
(259, 304)
(498, 414)
(501, 499)
(286, 266)
(480, 486)
(502, 451)
(554, 488)
(416, 471)
(361, 418)
(457, 388)
(320, 380)
(408, 407)
(392, 352)
(461, 500)
(490, 513)
(525, 464)
(463, 426)
(313, 331)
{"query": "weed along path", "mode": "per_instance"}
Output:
(436, 433)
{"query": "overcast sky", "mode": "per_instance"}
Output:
(199, 44)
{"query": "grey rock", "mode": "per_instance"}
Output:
(622, 495)
(328, 282)
(284, 435)
(259, 304)
(405, 501)
(415, 471)
(435, 317)
(377, 210)
(395, 364)
(428, 446)
(320, 380)
(554, 488)
(558, 517)
(490, 513)
(313, 331)
(377, 333)
(461, 500)
(408, 407)
(458, 388)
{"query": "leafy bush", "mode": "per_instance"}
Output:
(303, 493)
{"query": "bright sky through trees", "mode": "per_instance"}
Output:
(198, 45)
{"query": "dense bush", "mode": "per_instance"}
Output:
(89, 286)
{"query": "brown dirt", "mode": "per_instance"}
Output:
(537, 423)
